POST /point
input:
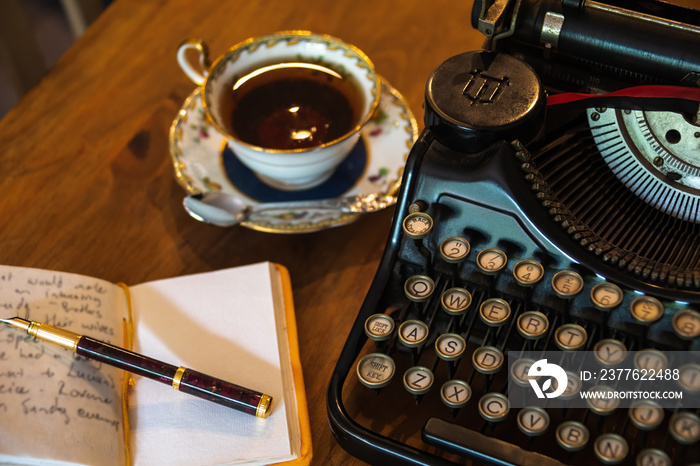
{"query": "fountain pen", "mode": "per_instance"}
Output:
(181, 378)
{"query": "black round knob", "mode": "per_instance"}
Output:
(477, 98)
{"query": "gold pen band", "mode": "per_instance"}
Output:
(55, 335)
(263, 406)
(177, 378)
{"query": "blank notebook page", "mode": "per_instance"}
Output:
(222, 324)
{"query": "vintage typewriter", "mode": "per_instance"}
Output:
(551, 204)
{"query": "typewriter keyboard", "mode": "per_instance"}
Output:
(436, 361)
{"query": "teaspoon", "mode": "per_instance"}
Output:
(225, 210)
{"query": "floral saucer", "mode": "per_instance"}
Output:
(204, 162)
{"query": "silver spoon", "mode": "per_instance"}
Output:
(225, 210)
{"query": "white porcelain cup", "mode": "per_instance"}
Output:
(290, 169)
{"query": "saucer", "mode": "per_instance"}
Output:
(204, 162)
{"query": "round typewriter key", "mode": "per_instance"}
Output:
(494, 312)
(572, 435)
(533, 421)
(456, 301)
(686, 324)
(573, 386)
(413, 333)
(375, 370)
(570, 337)
(419, 288)
(494, 407)
(533, 325)
(685, 427)
(454, 249)
(450, 346)
(646, 415)
(455, 393)
(417, 225)
(646, 310)
(418, 206)
(519, 372)
(379, 327)
(609, 352)
(418, 380)
(689, 377)
(610, 448)
(653, 457)
(650, 359)
(606, 296)
(567, 284)
(528, 272)
(491, 261)
(605, 402)
(487, 359)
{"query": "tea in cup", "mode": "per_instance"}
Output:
(291, 105)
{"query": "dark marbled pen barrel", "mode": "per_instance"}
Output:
(180, 378)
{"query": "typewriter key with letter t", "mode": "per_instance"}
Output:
(570, 337)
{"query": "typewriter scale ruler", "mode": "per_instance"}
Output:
(655, 154)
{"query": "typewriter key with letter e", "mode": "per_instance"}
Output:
(494, 312)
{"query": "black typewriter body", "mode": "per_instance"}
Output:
(581, 217)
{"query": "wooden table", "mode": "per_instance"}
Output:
(88, 185)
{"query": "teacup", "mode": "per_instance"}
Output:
(291, 105)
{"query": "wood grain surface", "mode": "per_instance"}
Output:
(88, 186)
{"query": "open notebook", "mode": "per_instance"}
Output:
(236, 324)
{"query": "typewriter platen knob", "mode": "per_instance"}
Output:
(477, 98)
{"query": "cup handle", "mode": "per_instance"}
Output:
(196, 74)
